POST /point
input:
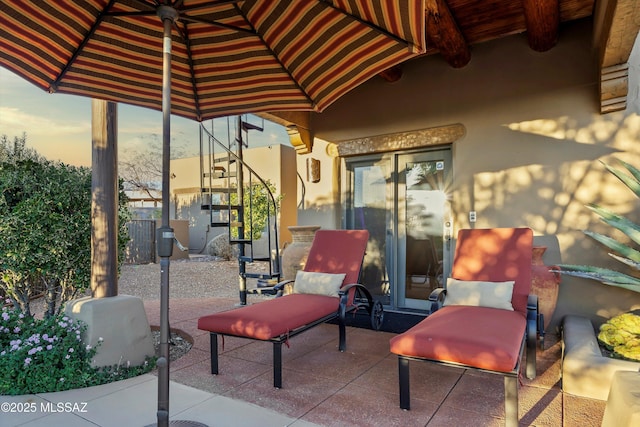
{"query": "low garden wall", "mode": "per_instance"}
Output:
(585, 371)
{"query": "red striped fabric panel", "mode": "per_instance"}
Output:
(302, 55)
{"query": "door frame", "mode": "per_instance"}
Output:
(393, 254)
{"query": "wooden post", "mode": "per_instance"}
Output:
(542, 18)
(104, 199)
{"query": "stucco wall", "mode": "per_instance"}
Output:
(319, 202)
(530, 155)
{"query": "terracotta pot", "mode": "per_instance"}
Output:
(545, 281)
(294, 255)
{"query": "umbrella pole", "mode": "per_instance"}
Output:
(166, 236)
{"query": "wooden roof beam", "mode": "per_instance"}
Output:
(392, 74)
(443, 31)
(298, 125)
(616, 27)
(542, 18)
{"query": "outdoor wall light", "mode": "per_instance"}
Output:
(313, 170)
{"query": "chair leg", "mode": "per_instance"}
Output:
(213, 344)
(342, 346)
(533, 318)
(511, 401)
(403, 374)
(531, 338)
(277, 364)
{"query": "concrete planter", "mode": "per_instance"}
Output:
(585, 372)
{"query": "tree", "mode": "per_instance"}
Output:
(141, 169)
(258, 206)
(16, 150)
(45, 229)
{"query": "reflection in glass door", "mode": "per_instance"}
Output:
(423, 225)
(401, 199)
(370, 209)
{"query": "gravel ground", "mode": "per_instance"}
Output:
(197, 277)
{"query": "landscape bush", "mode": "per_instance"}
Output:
(46, 355)
(45, 228)
(45, 251)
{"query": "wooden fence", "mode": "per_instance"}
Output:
(141, 249)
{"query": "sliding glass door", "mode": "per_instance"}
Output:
(402, 200)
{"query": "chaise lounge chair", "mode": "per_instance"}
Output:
(326, 289)
(484, 318)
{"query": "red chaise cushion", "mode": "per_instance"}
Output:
(272, 318)
(486, 338)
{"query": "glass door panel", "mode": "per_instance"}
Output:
(370, 210)
(422, 225)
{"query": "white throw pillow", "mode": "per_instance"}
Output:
(308, 282)
(478, 293)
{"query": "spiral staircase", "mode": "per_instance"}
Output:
(233, 206)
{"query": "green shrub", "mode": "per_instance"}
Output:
(45, 229)
(46, 355)
(259, 204)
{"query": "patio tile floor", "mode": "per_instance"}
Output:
(360, 386)
(321, 386)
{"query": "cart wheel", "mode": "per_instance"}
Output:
(377, 315)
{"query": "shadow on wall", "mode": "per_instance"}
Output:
(542, 181)
(323, 211)
(546, 185)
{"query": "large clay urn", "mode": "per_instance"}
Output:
(545, 281)
(294, 255)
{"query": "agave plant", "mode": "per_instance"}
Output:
(623, 253)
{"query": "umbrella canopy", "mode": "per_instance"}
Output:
(228, 57)
(202, 59)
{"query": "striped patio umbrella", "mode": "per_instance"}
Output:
(206, 58)
(227, 57)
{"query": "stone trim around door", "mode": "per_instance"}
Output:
(397, 141)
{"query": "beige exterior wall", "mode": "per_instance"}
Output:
(530, 155)
(265, 161)
(320, 201)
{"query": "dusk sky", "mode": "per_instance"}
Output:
(58, 126)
